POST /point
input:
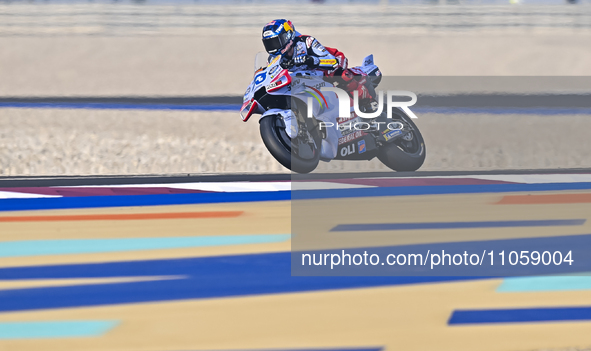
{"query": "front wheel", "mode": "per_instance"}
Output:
(296, 155)
(407, 153)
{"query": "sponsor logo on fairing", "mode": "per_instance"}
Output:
(328, 62)
(300, 49)
(274, 71)
(260, 78)
(350, 126)
(350, 137)
(319, 85)
(348, 150)
(246, 95)
(361, 146)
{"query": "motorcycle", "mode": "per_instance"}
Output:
(295, 140)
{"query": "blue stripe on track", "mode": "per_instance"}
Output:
(54, 329)
(199, 198)
(140, 200)
(206, 277)
(541, 111)
(85, 246)
(236, 108)
(122, 106)
(455, 225)
(432, 190)
(538, 284)
(260, 274)
(522, 315)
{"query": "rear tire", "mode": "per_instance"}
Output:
(401, 155)
(279, 144)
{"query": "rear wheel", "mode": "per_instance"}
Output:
(407, 153)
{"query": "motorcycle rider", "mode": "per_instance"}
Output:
(304, 53)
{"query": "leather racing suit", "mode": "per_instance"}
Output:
(334, 65)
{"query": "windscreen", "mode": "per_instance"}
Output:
(260, 60)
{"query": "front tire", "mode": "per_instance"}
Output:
(404, 155)
(279, 144)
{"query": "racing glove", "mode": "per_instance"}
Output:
(304, 60)
(286, 63)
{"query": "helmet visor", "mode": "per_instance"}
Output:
(272, 45)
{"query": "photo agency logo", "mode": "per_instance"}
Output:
(345, 113)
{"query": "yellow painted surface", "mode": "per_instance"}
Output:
(45, 283)
(312, 220)
(400, 318)
(258, 218)
(412, 317)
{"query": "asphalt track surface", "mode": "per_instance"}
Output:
(456, 100)
(35, 181)
(218, 275)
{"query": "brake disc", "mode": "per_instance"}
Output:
(408, 136)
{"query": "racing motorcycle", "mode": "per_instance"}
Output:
(295, 140)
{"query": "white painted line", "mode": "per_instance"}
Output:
(327, 185)
(17, 195)
(205, 186)
(235, 186)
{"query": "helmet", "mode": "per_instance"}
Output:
(278, 36)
